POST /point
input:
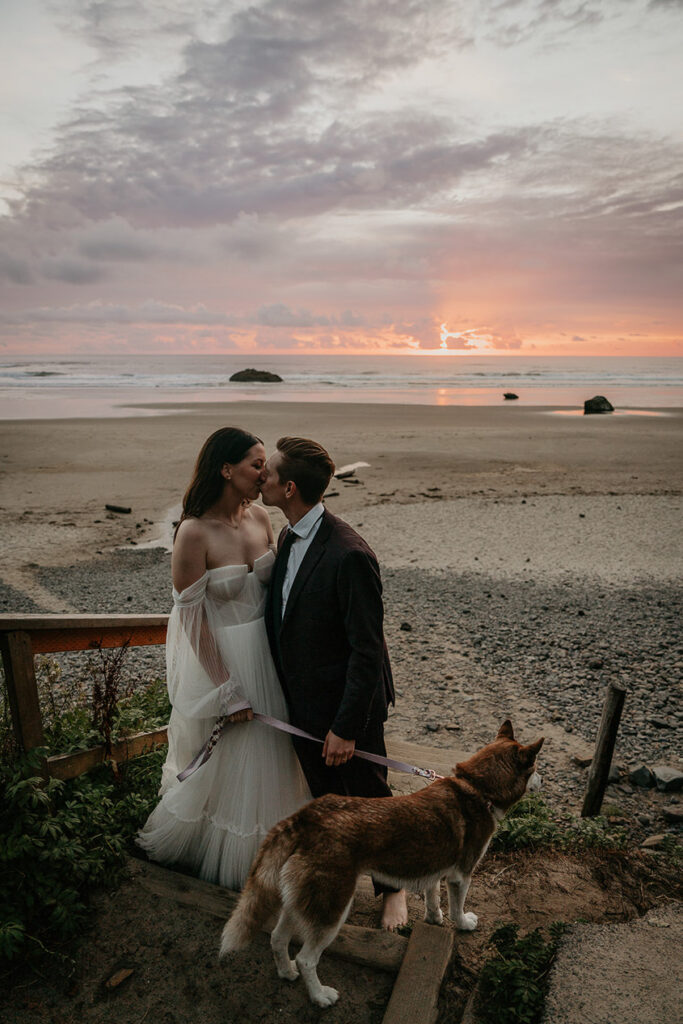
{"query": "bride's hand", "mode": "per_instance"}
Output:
(246, 715)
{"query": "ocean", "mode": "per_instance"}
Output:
(133, 385)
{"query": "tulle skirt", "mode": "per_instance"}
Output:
(213, 823)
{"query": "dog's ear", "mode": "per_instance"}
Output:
(505, 731)
(528, 755)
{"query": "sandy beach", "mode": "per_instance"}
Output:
(528, 556)
(431, 494)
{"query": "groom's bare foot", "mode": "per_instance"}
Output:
(394, 911)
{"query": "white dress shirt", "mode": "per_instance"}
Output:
(305, 531)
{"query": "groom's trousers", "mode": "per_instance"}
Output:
(355, 778)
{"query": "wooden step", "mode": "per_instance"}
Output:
(369, 947)
(415, 996)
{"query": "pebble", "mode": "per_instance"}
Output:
(522, 644)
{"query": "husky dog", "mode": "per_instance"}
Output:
(308, 865)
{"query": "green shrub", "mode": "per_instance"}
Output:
(514, 982)
(529, 825)
(59, 841)
(141, 711)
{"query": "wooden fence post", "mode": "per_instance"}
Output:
(604, 748)
(22, 690)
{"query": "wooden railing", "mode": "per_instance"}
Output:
(24, 636)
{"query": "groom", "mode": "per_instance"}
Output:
(324, 618)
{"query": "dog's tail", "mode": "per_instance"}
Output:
(260, 899)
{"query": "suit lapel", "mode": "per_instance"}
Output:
(311, 559)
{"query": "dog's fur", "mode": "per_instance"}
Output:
(308, 865)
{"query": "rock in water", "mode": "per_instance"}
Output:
(597, 405)
(259, 376)
(510, 395)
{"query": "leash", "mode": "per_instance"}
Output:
(275, 723)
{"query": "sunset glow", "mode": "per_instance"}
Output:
(180, 179)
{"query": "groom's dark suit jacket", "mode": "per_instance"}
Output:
(330, 652)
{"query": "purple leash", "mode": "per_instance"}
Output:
(275, 723)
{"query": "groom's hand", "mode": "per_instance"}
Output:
(337, 751)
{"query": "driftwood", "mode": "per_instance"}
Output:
(119, 508)
(344, 472)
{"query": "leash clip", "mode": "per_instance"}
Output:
(426, 773)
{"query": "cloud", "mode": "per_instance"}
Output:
(70, 271)
(15, 270)
(115, 241)
(150, 312)
(279, 315)
(511, 22)
(291, 170)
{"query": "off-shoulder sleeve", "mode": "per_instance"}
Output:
(200, 683)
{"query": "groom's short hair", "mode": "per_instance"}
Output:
(307, 464)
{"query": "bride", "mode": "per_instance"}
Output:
(218, 659)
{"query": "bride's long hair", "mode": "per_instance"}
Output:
(228, 444)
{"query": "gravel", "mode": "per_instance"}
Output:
(469, 650)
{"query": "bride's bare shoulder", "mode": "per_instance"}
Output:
(259, 513)
(263, 519)
(191, 531)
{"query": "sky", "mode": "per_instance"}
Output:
(358, 176)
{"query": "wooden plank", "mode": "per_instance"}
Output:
(604, 749)
(29, 623)
(368, 947)
(69, 766)
(53, 633)
(22, 690)
(415, 996)
(50, 641)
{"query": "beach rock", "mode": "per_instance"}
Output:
(662, 723)
(642, 777)
(405, 627)
(256, 376)
(673, 814)
(598, 404)
(667, 779)
(510, 396)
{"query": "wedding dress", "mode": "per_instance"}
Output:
(213, 822)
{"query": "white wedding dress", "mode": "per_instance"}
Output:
(213, 822)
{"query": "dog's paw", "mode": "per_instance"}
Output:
(434, 916)
(327, 996)
(289, 973)
(468, 922)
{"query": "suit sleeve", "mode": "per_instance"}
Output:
(359, 590)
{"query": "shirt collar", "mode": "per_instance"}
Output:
(307, 522)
